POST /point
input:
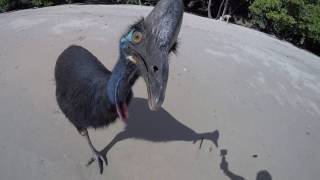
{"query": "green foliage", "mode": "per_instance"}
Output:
(263, 10)
(4, 5)
(39, 3)
(312, 22)
(282, 23)
(133, 1)
(293, 20)
(7, 5)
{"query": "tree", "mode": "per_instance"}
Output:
(220, 8)
(209, 9)
(225, 8)
(297, 21)
(39, 3)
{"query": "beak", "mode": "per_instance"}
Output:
(156, 78)
(162, 27)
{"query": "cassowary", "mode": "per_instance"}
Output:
(90, 96)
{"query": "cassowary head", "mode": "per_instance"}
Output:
(146, 46)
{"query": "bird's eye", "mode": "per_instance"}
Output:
(137, 37)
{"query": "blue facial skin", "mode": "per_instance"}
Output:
(124, 40)
(124, 74)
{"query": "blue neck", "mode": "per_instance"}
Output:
(124, 75)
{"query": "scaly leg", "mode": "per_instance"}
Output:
(97, 155)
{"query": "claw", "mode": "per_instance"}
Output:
(100, 165)
(201, 143)
(100, 158)
(90, 162)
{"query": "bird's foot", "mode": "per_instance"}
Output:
(200, 138)
(212, 136)
(196, 140)
(100, 158)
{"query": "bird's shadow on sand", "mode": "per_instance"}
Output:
(157, 126)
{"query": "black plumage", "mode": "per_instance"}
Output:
(81, 89)
(91, 96)
(82, 85)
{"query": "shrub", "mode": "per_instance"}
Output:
(312, 23)
(297, 21)
(4, 5)
(40, 3)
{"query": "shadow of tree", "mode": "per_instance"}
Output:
(157, 126)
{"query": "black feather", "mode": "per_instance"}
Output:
(81, 89)
(135, 26)
(174, 48)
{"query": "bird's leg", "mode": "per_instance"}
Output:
(212, 136)
(97, 155)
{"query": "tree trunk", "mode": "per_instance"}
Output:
(209, 9)
(218, 15)
(225, 8)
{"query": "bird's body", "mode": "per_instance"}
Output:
(81, 89)
(91, 96)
